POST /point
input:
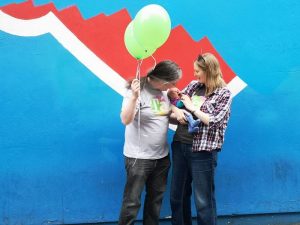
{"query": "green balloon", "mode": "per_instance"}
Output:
(152, 26)
(133, 47)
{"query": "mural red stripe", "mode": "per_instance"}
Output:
(26, 10)
(70, 15)
(104, 36)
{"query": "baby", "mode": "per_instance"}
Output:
(175, 96)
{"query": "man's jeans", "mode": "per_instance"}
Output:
(144, 172)
(199, 168)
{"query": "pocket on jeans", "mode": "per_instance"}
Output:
(165, 163)
(128, 162)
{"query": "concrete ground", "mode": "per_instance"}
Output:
(263, 219)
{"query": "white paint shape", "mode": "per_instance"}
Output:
(51, 24)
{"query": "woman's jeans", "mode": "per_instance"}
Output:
(197, 169)
(140, 173)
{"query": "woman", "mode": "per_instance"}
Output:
(195, 155)
(146, 149)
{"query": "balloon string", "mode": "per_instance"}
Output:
(154, 61)
(138, 69)
(138, 76)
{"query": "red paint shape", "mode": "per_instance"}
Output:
(104, 36)
(26, 10)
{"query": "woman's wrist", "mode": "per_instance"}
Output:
(193, 110)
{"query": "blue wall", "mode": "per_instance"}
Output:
(61, 139)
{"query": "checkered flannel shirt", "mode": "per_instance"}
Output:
(217, 105)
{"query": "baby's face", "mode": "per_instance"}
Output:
(174, 93)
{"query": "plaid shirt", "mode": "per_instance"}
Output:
(217, 105)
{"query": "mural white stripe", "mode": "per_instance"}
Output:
(34, 27)
(51, 24)
(236, 85)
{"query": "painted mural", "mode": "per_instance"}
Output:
(63, 69)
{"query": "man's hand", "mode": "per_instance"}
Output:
(179, 115)
(135, 87)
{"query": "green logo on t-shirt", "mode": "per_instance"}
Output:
(159, 106)
(198, 101)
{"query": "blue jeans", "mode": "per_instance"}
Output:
(197, 170)
(140, 173)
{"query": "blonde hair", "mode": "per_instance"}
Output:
(210, 65)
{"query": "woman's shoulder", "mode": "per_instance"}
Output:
(193, 83)
(223, 91)
(190, 86)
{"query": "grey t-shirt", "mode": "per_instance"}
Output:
(151, 141)
(182, 133)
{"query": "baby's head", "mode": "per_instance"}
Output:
(174, 93)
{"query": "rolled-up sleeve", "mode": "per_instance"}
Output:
(221, 111)
(190, 88)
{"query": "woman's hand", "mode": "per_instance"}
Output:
(187, 103)
(135, 87)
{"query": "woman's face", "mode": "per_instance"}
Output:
(199, 74)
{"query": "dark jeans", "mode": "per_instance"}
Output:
(197, 169)
(140, 173)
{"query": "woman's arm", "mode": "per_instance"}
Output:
(128, 112)
(219, 113)
(204, 117)
(222, 109)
